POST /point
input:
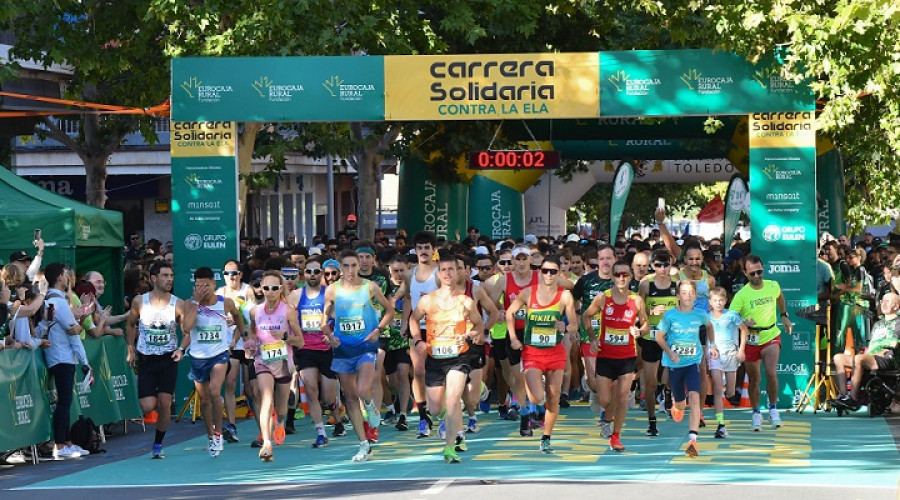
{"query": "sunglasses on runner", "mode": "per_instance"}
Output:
(231, 273)
(271, 288)
(661, 265)
(551, 272)
(594, 266)
(755, 273)
(313, 271)
(505, 262)
(485, 268)
(622, 275)
(331, 273)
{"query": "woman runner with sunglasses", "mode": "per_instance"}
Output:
(273, 326)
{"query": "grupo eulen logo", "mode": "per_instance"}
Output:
(193, 241)
(772, 233)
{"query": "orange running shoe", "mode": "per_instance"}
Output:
(278, 435)
(692, 449)
(677, 414)
(615, 444)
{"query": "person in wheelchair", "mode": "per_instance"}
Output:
(879, 355)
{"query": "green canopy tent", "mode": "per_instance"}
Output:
(84, 237)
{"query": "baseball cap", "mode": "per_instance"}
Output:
(572, 237)
(351, 217)
(733, 255)
(481, 250)
(17, 256)
(315, 250)
(530, 238)
(256, 277)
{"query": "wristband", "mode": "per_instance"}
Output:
(417, 342)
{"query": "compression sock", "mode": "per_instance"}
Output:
(159, 437)
(720, 418)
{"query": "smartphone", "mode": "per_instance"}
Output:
(661, 204)
(37, 234)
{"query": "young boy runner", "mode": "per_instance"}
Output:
(453, 321)
(731, 337)
(545, 345)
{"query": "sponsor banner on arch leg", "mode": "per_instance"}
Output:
(204, 198)
(492, 86)
(783, 222)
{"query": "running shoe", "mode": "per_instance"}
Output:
(401, 423)
(513, 413)
(220, 443)
(702, 422)
(735, 399)
(485, 406)
(229, 432)
(257, 443)
(339, 430)
(321, 441)
(265, 452)
(442, 431)
(692, 449)
(389, 418)
(461, 444)
(371, 432)
(503, 412)
(158, 452)
(615, 444)
(279, 435)
(373, 418)
(775, 418)
(213, 451)
(651, 428)
(67, 452)
(606, 429)
(289, 425)
(525, 427)
(424, 430)
(450, 455)
(677, 414)
(546, 448)
(756, 426)
(721, 432)
(365, 451)
(850, 403)
(472, 426)
(79, 449)
(595, 403)
(564, 400)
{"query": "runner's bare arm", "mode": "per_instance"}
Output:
(785, 315)
(131, 327)
(239, 327)
(571, 315)
(588, 313)
(488, 305)
(642, 315)
(385, 303)
(476, 334)
(514, 306)
(328, 307)
(295, 334)
(189, 320)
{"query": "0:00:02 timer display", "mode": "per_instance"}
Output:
(510, 159)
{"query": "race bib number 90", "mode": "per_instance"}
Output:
(543, 336)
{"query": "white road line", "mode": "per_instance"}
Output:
(438, 487)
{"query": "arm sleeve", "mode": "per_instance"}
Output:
(578, 289)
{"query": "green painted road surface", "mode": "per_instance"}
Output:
(809, 449)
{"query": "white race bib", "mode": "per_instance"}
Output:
(209, 334)
(351, 326)
(158, 337)
(615, 336)
(684, 348)
(444, 348)
(543, 336)
(752, 339)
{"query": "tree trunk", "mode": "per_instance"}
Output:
(366, 163)
(246, 142)
(95, 179)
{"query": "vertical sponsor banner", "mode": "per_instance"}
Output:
(429, 205)
(25, 419)
(735, 201)
(830, 189)
(783, 224)
(98, 401)
(204, 199)
(621, 187)
(495, 209)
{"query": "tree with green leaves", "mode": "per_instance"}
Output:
(117, 58)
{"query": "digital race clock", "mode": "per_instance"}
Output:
(510, 159)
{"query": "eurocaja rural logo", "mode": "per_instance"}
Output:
(694, 80)
(202, 92)
(275, 92)
(623, 82)
(771, 79)
(347, 91)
